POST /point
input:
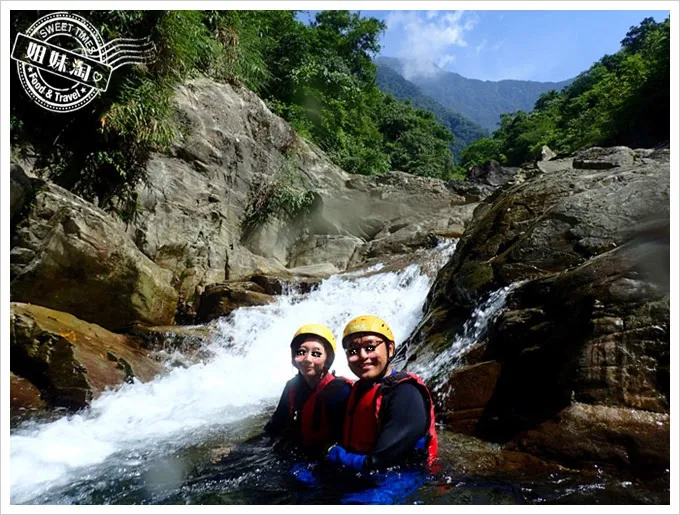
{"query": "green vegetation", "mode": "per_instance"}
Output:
(464, 131)
(281, 196)
(480, 101)
(320, 77)
(623, 99)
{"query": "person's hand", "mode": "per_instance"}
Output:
(304, 472)
(337, 455)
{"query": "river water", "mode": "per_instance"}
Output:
(191, 435)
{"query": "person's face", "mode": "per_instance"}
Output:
(310, 359)
(367, 355)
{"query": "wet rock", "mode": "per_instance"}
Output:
(550, 223)
(588, 319)
(336, 250)
(20, 190)
(273, 285)
(221, 299)
(176, 346)
(25, 402)
(461, 401)
(71, 256)
(580, 434)
(71, 361)
(184, 339)
(469, 456)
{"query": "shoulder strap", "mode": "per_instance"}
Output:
(391, 381)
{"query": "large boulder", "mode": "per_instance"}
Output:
(25, 401)
(584, 257)
(548, 224)
(627, 439)
(490, 173)
(222, 298)
(336, 250)
(71, 256)
(71, 361)
(191, 207)
(20, 190)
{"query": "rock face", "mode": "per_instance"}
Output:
(625, 438)
(188, 220)
(25, 401)
(20, 190)
(68, 360)
(588, 328)
(491, 173)
(221, 299)
(70, 256)
(546, 153)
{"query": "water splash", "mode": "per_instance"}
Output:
(248, 367)
(474, 330)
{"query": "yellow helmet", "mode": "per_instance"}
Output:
(367, 324)
(322, 332)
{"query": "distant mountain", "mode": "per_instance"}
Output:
(464, 130)
(483, 102)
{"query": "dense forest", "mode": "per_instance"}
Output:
(623, 99)
(464, 131)
(322, 79)
(319, 76)
(480, 101)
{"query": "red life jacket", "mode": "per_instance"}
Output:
(312, 421)
(362, 423)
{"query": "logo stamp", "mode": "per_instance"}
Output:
(64, 64)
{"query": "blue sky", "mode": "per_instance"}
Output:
(494, 45)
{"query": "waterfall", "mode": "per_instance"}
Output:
(249, 366)
(474, 330)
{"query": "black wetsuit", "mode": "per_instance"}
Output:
(283, 425)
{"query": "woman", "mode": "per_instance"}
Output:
(312, 406)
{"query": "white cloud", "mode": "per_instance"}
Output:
(483, 46)
(429, 37)
(446, 59)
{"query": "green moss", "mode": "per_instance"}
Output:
(481, 275)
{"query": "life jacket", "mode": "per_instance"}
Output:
(312, 420)
(362, 423)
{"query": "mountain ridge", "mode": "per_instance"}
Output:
(464, 130)
(480, 101)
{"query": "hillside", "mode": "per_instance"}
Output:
(464, 130)
(622, 99)
(483, 102)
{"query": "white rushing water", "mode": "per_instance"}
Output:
(250, 366)
(474, 330)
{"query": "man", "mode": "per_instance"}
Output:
(390, 415)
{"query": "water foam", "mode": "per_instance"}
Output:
(250, 366)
